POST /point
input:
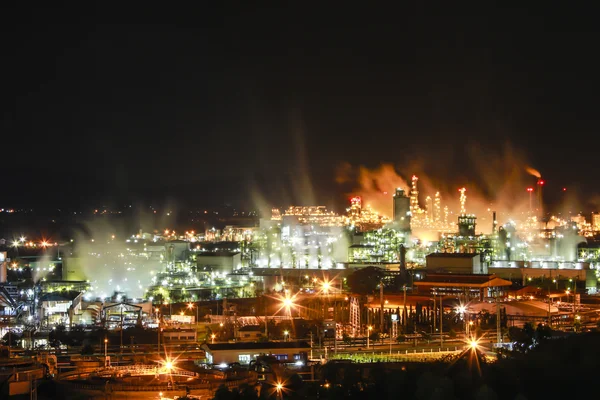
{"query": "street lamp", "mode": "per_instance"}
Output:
(286, 335)
(279, 389)
(213, 336)
(369, 329)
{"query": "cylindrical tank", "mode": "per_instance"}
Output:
(3, 276)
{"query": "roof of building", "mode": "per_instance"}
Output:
(361, 246)
(463, 280)
(217, 254)
(60, 296)
(452, 255)
(257, 346)
(250, 328)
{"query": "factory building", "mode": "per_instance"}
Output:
(466, 225)
(227, 353)
(457, 263)
(73, 269)
(223, 262)
(59, 308)
(596, 222)
(472, 286)
(177, 250)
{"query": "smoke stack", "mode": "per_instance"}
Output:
(494, 223)
(402, 260)
(540, 184)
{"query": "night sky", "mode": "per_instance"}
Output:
(239, 101)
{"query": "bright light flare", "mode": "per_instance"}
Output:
(168, 364)
(287, 302)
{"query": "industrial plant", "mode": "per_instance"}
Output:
(237, 293)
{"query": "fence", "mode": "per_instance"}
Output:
(202, 385)
(423, 355)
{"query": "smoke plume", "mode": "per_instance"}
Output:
(495, 181)
(533, 172)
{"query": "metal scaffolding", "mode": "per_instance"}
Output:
(355, 316)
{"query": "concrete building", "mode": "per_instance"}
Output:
(249, 333)
(155, 250)
(179, 335)
(459, 263)
(227, 353)
(221, 262)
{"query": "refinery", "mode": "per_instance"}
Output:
(153, 310)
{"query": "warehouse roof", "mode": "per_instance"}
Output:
(257, 346)
(452, 255)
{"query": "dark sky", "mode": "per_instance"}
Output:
(238, 100)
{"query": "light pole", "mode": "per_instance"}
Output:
(369, 329)
(158, 333)
(190, 306)
(105, 351)
(286, 335)
(213, 336)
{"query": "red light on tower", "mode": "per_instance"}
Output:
(564, 189)
(541, 182)
(530, 189)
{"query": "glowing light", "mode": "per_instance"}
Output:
(463, 200)
(473, 344)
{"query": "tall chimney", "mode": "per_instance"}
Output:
(403, 261)
(494, 223)
(540, 184)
